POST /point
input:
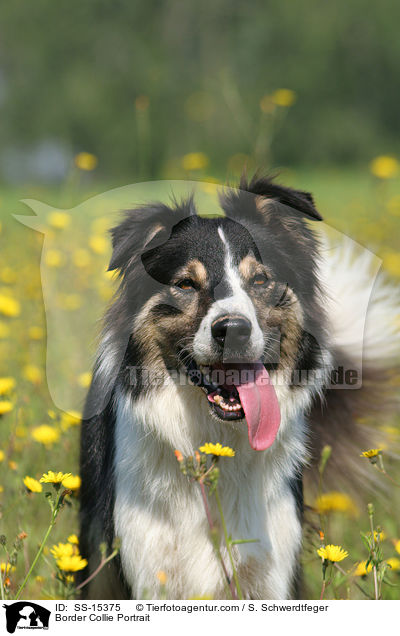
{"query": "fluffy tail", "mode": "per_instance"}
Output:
(364, 322)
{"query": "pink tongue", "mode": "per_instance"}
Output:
(260, 406)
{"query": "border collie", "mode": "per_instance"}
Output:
(250, 293)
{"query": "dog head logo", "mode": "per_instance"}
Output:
(76, 256)
(26, 615)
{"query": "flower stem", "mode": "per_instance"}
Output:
(39, 552)
(228, 545)
(371, 522)
(382, 470)
(101, 565)
(212, 530)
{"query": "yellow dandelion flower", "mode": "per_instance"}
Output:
(73, 539)
(8, 275)
(6, 568)
(45, 434)
(71, 563)
(59, 220)
(32, 373)
(394, 563)
(39, 579)
(36, 333)
(73, 482)
(335, 502)
(379, 536)
(12, 465)
(84, 379)
(81, 258)
(384, 167)
(86, 161)
(54, 478)
(53, 258)
(63, 550)
(5, 407)
(393, 205)
(217, 449)
(9, 306)
(20, 431)
(283, 97)
(101, 225)
(33, 484)
(362, 569)
(70, 302)
(397, 546)
(73, 418)
(333, 553)
(391, 262)
(373, 452)
(2, 456)
(6, 385)
(1, 489)
(4, 330)
(195, 161)
(162, 577)
(105, 292)
(98, 244)
(110, 275)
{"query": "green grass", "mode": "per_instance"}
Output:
(350, 200)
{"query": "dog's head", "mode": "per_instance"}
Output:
(232, 301)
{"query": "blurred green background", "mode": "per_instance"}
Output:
(98, 94)
(139, 85)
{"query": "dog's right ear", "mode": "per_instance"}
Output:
(141, 229)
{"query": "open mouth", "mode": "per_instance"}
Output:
(223, 398)
(241, 391)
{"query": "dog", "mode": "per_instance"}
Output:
(252, 293)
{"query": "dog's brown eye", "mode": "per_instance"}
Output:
(186, 284)
(260, 280)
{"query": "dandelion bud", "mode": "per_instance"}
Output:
(103, 549)
(178, 455)
(162, 577)
(325, 455)
(371, 509)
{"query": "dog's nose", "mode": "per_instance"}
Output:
(235, 329)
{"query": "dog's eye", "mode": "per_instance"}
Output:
(187, 284)
(260, 280)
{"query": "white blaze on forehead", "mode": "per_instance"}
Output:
(237, 302)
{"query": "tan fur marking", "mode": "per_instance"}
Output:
(249, 266)
(262, 205)
(194, 269)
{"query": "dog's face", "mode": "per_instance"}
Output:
(231, 300)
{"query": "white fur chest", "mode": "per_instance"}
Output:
(159, 515)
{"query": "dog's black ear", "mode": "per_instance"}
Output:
(301, 201)
(141, 228)
(145, 228)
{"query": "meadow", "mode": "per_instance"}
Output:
(37, 435)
